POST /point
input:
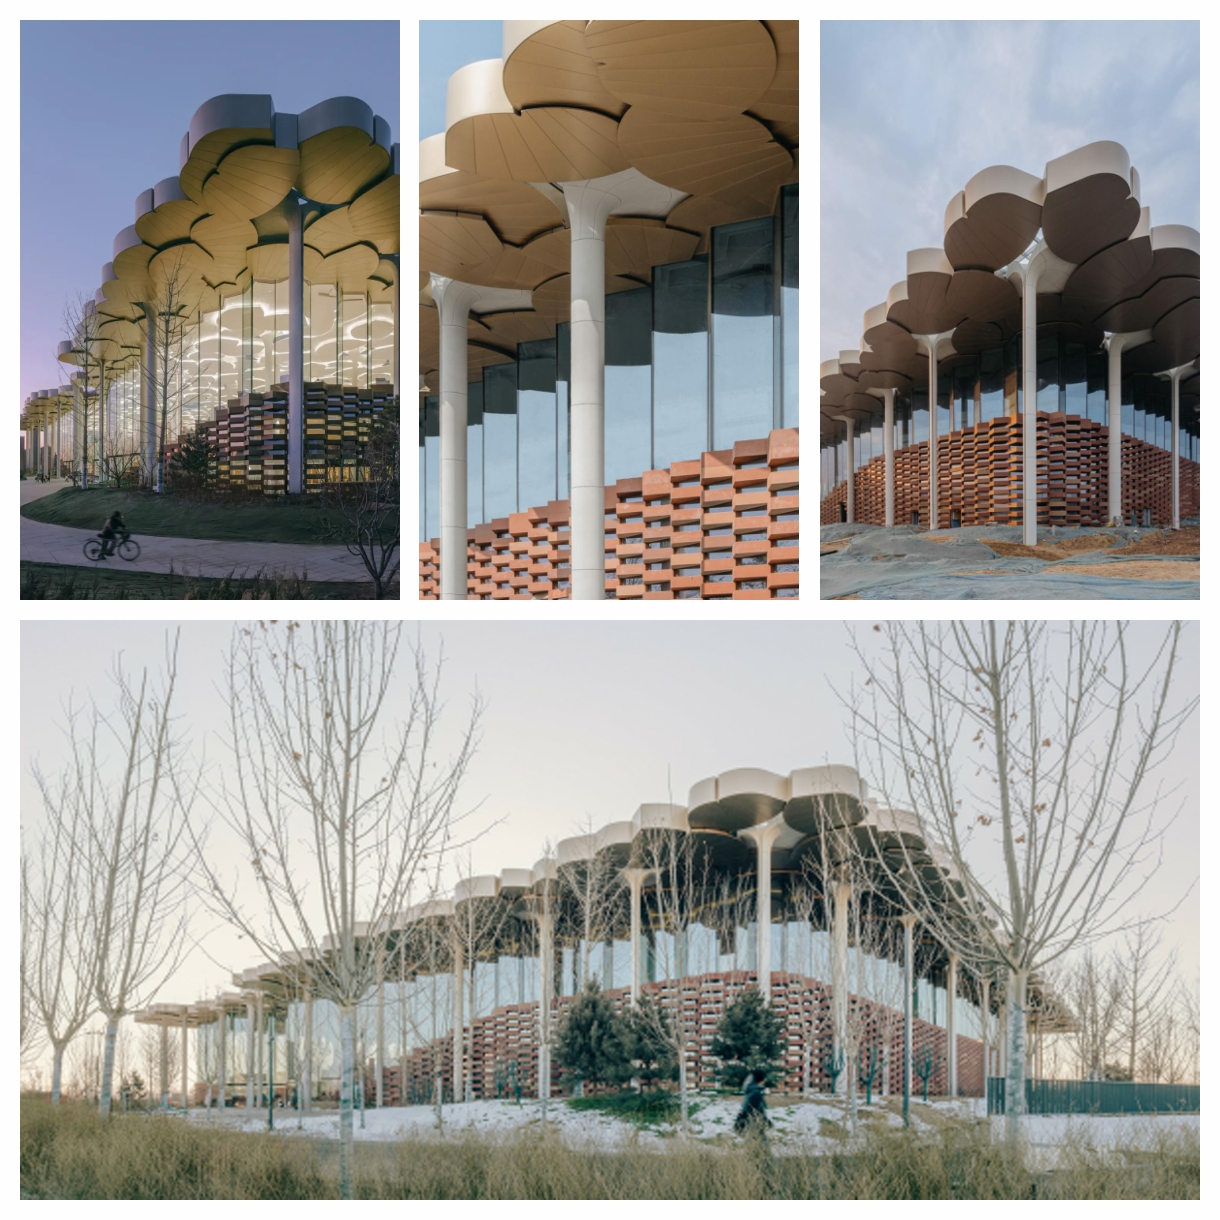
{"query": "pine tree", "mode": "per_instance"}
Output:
(747, 1037)
(652, 1043)
(192, 464)
(593, 1043)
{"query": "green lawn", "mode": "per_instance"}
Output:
(57, 582)
(275, 519)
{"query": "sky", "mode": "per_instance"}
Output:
(912, 110)
(583, 722)
(444, 47)
(88, 149)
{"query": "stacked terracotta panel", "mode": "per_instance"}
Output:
(723, 526)
(979, 478)
(505, 1049)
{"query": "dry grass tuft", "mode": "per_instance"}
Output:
(69, 1153)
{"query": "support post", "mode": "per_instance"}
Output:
(635, 881)
(185, 1102)
(588, 210)
(951, 1022)
(455, 301)
(459, 967)
(546, 984)
(222, 1071)
(908, 1050)
(763, 837)
(1175, 376)
(839, 1008)
(150, 398)
(249, 1058)
(888, 447)
(296, 343)
(932, 345)
(379, 1065)
(165, 1066)
(308, 1067)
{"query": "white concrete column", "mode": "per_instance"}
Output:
(1116, 344)
(307, 1074)
(296, 343)
(150, 399)
(840, 1006)
(259, 1021)
(763, 837)
(908, 1014)
(588, 210)
(165, 1066)
(635, 881)
(459, 989)
(101, 421)
(249, 1058)
(888, 446)
(951, 1022)
(222, 1070)
(546, 988)
(1175, 376)
(934, 346)
(455, 301)
(185, 1102)
(851, 466)
(985, 1018)
(379, 1065)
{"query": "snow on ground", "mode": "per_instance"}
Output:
(816, 1125)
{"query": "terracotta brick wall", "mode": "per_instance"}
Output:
(659, 529)
(979, 477)
(504, 1041)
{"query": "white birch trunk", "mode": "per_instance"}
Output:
(347, 1037)
(57, 1071)
(103, 1106)
(1014, 1105)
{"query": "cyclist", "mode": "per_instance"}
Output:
(112, 529)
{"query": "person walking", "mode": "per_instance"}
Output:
(753, 1113)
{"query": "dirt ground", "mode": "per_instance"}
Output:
(1052, 550)
(1168, 542)
(1156, 569)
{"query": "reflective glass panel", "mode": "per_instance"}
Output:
(679, 353)
(536, 429)
(323, 349)
(474, 453)
(432, 454)
(789, 300)
(628, 384)
(499, 441)
(743, 344)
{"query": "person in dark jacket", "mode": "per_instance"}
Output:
(753, 1113)
(114, 529)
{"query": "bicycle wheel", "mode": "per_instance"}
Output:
(93, 549)
(129, 549)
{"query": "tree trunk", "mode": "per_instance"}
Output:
(112, 1029)
(682, 1088)
(1014, 1102)
(57, 1071)
(347, 1036)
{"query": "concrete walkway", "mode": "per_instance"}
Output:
(43, 543)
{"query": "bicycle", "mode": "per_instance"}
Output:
(128, 548)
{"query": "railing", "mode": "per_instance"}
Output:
(1097, 1097)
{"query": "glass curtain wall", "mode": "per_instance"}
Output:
(1071, 379)
(705, 356)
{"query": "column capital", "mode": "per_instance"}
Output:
(592, 201)
(1175, 375)
(908, 920)
(1118, 342)
(455, 299)
(936, 345)
(765, 833)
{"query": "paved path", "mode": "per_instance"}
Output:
(43, 543)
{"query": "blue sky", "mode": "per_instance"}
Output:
(912, 110)
(104, 106)
(444, 47)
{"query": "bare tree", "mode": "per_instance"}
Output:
(127, 805)
(1147, 987)
(81, 328)
(335, 813)
(363, 515)
(62, 964)
(167, 311)
(1094, 993)
(1063, 731)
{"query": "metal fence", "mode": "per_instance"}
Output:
(1097, 1097)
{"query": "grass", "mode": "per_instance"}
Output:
(267, 519)
(69, 1153)
(644, 1109)
(65, 582)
